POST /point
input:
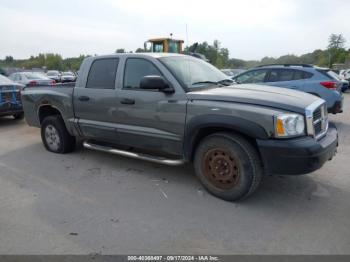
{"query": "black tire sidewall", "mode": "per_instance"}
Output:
(242, 158)
(58, 123)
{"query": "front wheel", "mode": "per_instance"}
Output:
(228, 166)
(55, 136)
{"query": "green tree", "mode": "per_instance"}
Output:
(120, 50)
(336, 51)
(9, 59)
(217, 56)
(336, 41)
(140, 50)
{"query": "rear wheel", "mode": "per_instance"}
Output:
(55, 136)
(228, 166)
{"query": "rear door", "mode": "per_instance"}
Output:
(288, 78)
(95, 104)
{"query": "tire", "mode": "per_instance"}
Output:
(18, 116)
(55, 136)
(228, 166)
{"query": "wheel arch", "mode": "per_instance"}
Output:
(201, 127)
(46, 110)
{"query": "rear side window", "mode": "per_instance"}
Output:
(306, 75)
(135, 70)
(280, 75)
(102, 74)
(330, 74)
(298, 74)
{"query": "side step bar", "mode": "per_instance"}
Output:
(112, 150)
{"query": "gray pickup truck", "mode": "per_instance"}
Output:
(173, 109)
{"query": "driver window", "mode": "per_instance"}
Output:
(135, 70)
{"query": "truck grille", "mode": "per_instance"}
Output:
(320, 121)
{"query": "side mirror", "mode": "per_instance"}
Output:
(156, 82)
(235, 81)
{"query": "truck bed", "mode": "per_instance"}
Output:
(59, 97)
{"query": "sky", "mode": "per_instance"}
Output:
(250, 29)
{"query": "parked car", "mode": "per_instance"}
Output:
(68, 77)
(345, 83)
(345, 74)
(151, 107)
(10, 98)
(306, 78)
(54, 75)
(32, 79)
(232, 72)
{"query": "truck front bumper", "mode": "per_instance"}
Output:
(298, 156)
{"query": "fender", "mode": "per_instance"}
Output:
(243, 126)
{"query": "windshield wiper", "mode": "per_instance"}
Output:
(206, 82)
(225, 82)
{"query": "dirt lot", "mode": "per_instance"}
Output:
(92, 202)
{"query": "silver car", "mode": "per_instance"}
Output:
(32, 79)
(54, 75)
(68, 77)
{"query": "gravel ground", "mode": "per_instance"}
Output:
(93, 202)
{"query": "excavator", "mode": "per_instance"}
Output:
(170, 45)
(165, 45)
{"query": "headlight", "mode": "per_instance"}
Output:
(289, 125)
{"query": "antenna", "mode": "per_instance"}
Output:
(187, 40)
(188, 64)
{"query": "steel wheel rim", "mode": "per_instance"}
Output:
(221, 168)
(52, 137)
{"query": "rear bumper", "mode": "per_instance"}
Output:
(337, 107)
(7, 109)
(345, 87)
(298, 156)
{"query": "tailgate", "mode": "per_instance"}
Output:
(9, 94)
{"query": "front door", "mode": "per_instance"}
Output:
(149, 119)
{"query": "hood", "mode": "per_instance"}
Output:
(276, 97)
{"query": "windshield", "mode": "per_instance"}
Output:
(193, 72)
(5, 81)
(35, 76)
(67, 74)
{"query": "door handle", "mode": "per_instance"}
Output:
(84, 98)
(127, 101)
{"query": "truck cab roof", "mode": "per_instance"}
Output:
(155, 55)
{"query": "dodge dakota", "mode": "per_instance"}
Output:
(175, 109)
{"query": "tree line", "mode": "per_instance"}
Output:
(216, 54)
(45, 61)
(336, 53)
